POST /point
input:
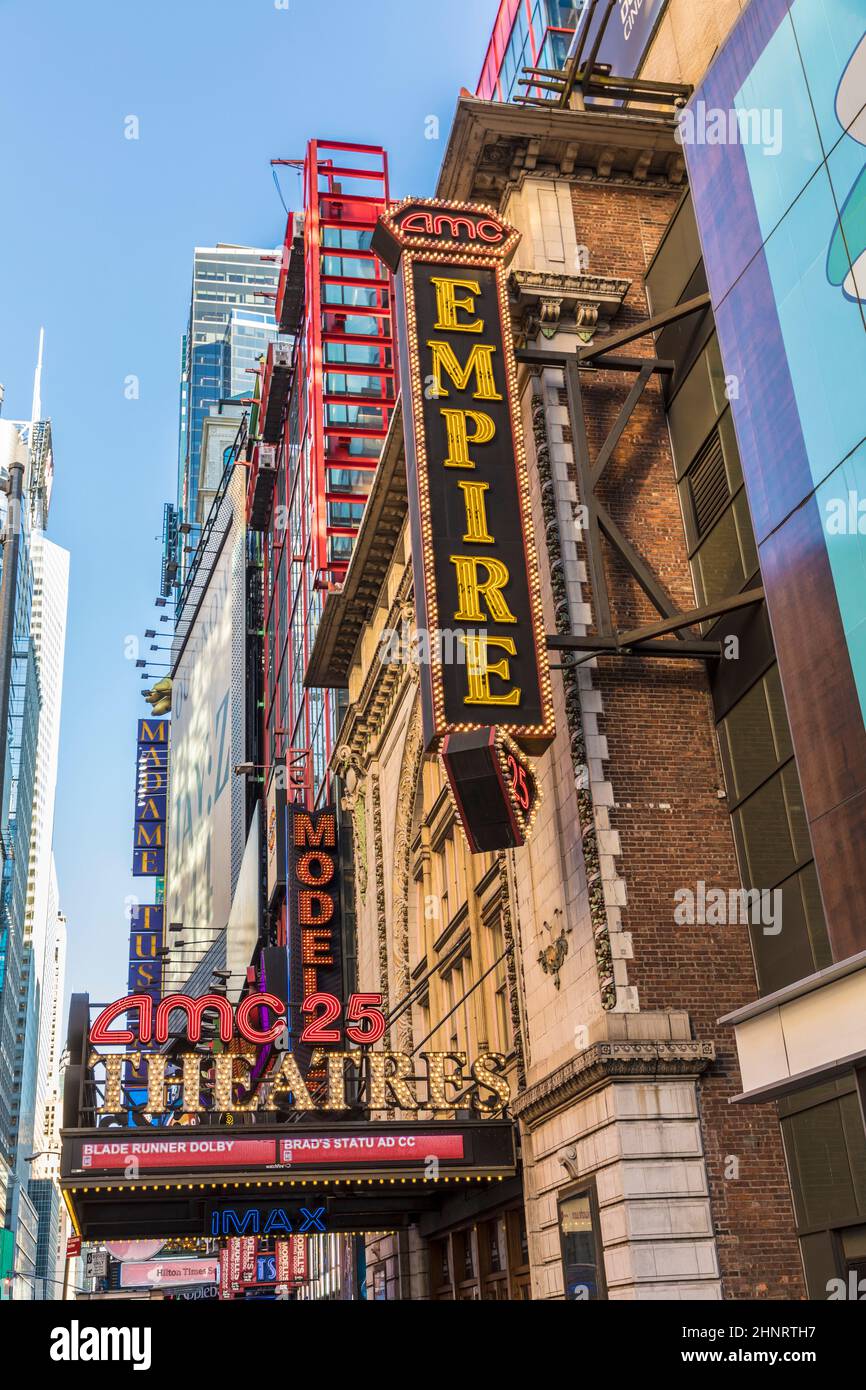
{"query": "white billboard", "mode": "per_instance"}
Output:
(206, 799)
(137, 1274)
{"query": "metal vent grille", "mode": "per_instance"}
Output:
(708, 484)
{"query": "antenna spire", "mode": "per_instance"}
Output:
(36, 410)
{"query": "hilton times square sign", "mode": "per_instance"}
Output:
(473, 549)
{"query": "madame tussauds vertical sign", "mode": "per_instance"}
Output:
(476, 571)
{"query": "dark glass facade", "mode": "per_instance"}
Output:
(527, 33)
(782, 250)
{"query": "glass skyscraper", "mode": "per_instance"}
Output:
(33, 596)
(230, 325)
(19, 1031)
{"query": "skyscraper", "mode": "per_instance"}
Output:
(33, 597)
(230, 325)
(42, 1187)
(48, 627)
(19, 724)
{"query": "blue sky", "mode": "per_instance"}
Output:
(96, 239)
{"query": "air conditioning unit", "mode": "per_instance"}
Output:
(267, 458)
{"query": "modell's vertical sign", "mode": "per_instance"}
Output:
(477, 593)
(313, 898)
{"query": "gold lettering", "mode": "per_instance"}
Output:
(486, 1072)
(192, 1083)
(287, 1077)
(458, 435)
(390, 1071)
(112, 1100)
(438, 1078)
(156, 1084)
(447, 304)
(476, 513)
(479, 669)
(225, 1081)
(479, 361)
(470, 589)
(336, 1075)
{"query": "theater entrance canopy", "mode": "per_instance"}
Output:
(179, 1135)
(131, 1184)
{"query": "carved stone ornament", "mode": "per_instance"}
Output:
(552, 958)
(547, 302)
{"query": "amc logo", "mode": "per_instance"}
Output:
(452, 226)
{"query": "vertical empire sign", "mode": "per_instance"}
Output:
(477, 594)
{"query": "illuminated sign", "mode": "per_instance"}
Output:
(146, 937)
(154, 1024)
(151, 797)
(494, 786)
(389, 1081)
(313, 892)
(265, 1220)
(136, 1274)
(473, 549)
(232, 1081)
(365, 1149)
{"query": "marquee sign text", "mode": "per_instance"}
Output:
(473, 549)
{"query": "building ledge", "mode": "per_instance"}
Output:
(494, 143)
(809, 983)
(808, 1033)
(611, 1061)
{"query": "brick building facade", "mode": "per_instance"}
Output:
(639, 1180)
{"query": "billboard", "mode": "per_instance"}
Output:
(628, 34)
(306, 1151)
(206, 805)
(157, 1274)
(778, 124)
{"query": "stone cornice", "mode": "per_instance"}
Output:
(548, 302)
(610, 1061)
(492, 144)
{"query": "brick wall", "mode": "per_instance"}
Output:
(663, 766)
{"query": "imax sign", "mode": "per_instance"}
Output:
(265, 1221)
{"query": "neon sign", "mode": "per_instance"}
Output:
(265, 1221)
(154, 1026)
(473, 549)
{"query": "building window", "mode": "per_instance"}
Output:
(582, 1261)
